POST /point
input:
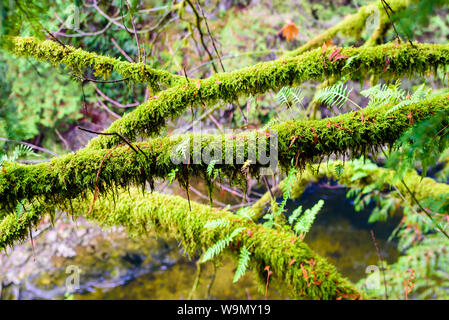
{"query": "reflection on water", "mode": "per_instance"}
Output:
(123, 268)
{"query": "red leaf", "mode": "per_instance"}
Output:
(340, 56)
(292, 262)
(290, 31)
(249, 233)
(334, 53)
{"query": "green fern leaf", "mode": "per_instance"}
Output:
(295, 214)
(217, 223)
(305, 222)
(242, 265)
(220, 245)
(337, 95)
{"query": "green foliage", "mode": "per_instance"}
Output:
(242, 265)
(246, 212)
(172, 175)
(383, 94)
(422, 144)
(417, 15)
(339, 169)
(305, 221)
(14, 14)
(290, 96)
(287, 189)
(335, 95)
(18, 152)
(295, 214)
(220, 245)
(217, 223)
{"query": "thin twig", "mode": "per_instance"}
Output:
(387, 7)
(381, 262)
(118, 135)
(84, 79)
(210, 35)
(32, 146)
(122, 51)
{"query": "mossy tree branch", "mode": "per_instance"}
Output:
(78, 60)
(353, 25)
(150, 117)
(299, 142)
(170, 216)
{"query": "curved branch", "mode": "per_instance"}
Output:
(170, 216)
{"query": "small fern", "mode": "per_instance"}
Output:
(210, 167)
(246, 212)
(290, 96)
(337, 95)
(421, 93)
(242, 265)
(18, 152)
(295, 214)
(220, 245)
(382, 94)
(19, 210)
(172, 175)
(339, 168)
(217, 223)
(305, 222)
(287, 188)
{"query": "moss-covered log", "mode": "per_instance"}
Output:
(299, 143)
(170, 216)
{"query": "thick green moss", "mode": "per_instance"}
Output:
(170, 216)
(150, 117)
(299, 142)
(78, 60)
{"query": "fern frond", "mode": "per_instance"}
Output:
(290, 96)
(339, 168)
(246, 212)
(295, 214)
(282, 96)
(172, 175)
(382, 94)
(305, 222)
(242, 265)
(297, 96)
(217, 223)
(287, 188)
(337, 95)
(220, 245)
(210, 167)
